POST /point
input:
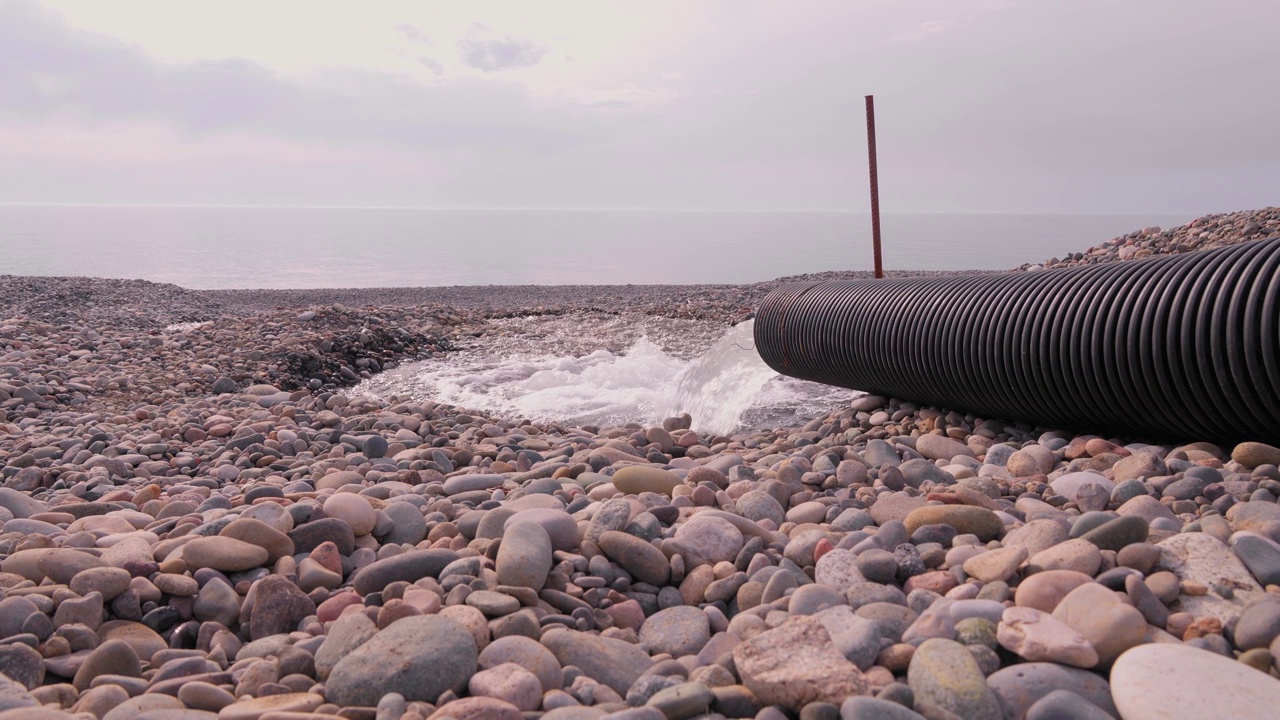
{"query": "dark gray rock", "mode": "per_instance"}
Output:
(409, 567)
(419, 657)
(1065, 705)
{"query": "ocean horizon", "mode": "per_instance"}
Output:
(291, 247)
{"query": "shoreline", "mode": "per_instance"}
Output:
(205, 521)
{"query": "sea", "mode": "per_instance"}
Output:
(311, 247)
(595, 369)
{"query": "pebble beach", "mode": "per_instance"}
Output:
(200, 517)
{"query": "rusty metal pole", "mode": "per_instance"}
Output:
(875, 185)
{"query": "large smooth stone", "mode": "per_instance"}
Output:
(867, 708)
(354, 510)
(63, 564)
(278, 607)
(1167, 680)
(710, 539)
(345, 635)
(256, 532)
(966, 519)
(1253, 454)
(223, 554)
(144, 641)
(1069, 485)
(255, 708)
(944, 673)
(560, 526)
(524, 557)
(1261, 555)
(1118, 533)
(679, 631)
(472, 483)
(510, 683)
(644, 561)
(838, 569)
(615, 663)
(20, 504)
(408, 526)
(796, 664)
(1036, 536)
(528, 654)
(635, 479)
(1020, 686)
(1109, 625)
(941, 447)
(409, 567)
(419, 657)
(1259, 624)
(477, 708)
(1044, 590)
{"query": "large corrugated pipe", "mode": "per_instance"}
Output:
(1176, 346)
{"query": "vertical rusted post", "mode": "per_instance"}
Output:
(875, 185)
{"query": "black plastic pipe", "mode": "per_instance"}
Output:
(1180, 346)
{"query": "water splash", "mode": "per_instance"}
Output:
(724, 388)
(719, 387)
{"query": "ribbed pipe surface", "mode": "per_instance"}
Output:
(1176, 346)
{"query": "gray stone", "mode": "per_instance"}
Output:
(345, 635)
(866, 708)
(528, 654)
(560, 526)
(409, 567)
(679, 631)
(644, 561)
(1260, 555)
(612, 515)
(710, 539)
(419, 657)
(941, 447)
(944, 673)
(471, 483)
(524, 557)
(758, 505)
(409, 527)
(114, 657)
(1259, 624)
(615, 663)
(838, 569)
(1020, 686)
(813, 598)
(1065, 705)
(683, 701)
(1118, 533)
(23, 664)
(375, 446)
(857, 638)
(918, 471)
(1138, 466)
(1070, 484)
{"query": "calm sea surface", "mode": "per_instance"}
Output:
(208, 248)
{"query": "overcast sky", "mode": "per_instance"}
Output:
(1158, 106)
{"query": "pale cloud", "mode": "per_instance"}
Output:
(483, 51)
(984, 105)
(924, 30)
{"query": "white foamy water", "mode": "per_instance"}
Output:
(725, 386)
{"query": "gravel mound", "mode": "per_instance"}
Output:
(1203, 233)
